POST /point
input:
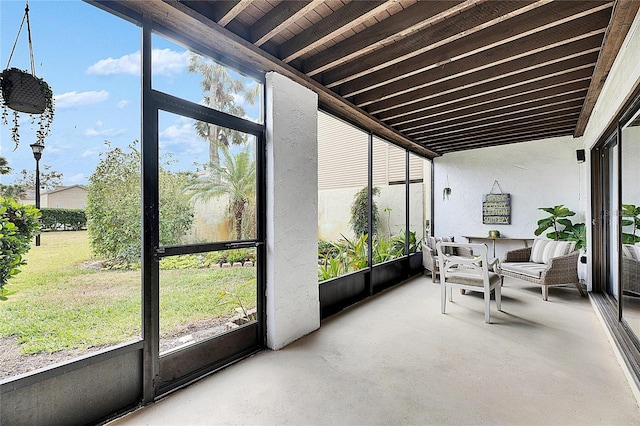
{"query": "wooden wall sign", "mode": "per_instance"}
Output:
(496, 209)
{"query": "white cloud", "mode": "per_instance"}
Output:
(78, 178)
(74, 99)
(165, 62)
(98, 131)
(93, 152)
(123, 104)
(181, 137)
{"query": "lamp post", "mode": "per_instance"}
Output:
(37, 149)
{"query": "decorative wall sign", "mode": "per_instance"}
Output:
(496, 209)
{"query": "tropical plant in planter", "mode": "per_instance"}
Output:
(23, 92)
(563, 228)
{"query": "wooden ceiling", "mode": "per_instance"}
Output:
(446, 75)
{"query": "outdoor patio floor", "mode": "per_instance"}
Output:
(394, 359)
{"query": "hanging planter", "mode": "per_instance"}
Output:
(23, 92)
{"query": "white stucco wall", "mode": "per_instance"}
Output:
(293, 304)
(537, 174)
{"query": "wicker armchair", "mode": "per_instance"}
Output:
(561, 270)
(631, 270)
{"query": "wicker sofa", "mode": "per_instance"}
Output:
(546, 263)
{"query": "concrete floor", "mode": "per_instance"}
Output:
(396, 360)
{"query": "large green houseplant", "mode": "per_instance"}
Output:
(563, 228)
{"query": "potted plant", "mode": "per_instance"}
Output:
(23, 92)
(563, 228)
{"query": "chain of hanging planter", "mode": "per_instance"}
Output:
(24, 92)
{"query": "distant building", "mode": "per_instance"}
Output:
(63, 197)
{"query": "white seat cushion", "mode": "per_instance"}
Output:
(530, 269)
(471, 278)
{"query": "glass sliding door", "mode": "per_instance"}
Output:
(629, 232)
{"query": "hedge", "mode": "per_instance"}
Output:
(63, 219)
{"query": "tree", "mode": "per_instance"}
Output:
(10, 191)
(114, 206)
(49, 179)
(220, 90)
(360, 212)
(235, 178)
(4, 166)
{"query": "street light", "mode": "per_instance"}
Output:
(37, 149)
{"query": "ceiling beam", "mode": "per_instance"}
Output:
(475, 19)
(183, 20)
(539, 58)
(624, 12)
(343, 20)
(493, 100)
(498, 108)
(543, 124)
(398, 26)
(280, 17)
(235, 9)
(460, 57)
(506, 74)
(506, 140)
(484, 93)
(487, 123)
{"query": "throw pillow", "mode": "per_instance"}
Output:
(543, 250)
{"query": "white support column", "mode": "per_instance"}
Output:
(293, 305)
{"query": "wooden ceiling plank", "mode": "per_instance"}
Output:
(345, 18)
(481, 94)
(234, 11)
(506, 97)
(467, 23)
(490, 140)
(278, 18)
(506, 140)
(523, 117)
(409, 21)
(575, 35)
(501, 106)
(624, 12)
(507, 74)
(540, 58)
(183, 20)
(545, 123)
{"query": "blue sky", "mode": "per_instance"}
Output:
(90, 58)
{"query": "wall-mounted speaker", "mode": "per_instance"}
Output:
(580, 155)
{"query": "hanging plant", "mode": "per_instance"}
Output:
(23, 92)
(446, 191)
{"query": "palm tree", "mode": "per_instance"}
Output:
(236, 178)
(220, 92)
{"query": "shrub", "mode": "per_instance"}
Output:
(18, 225)
(63, 219)
(114, 206)
(360, 212)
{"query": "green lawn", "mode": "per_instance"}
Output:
(57, 305)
